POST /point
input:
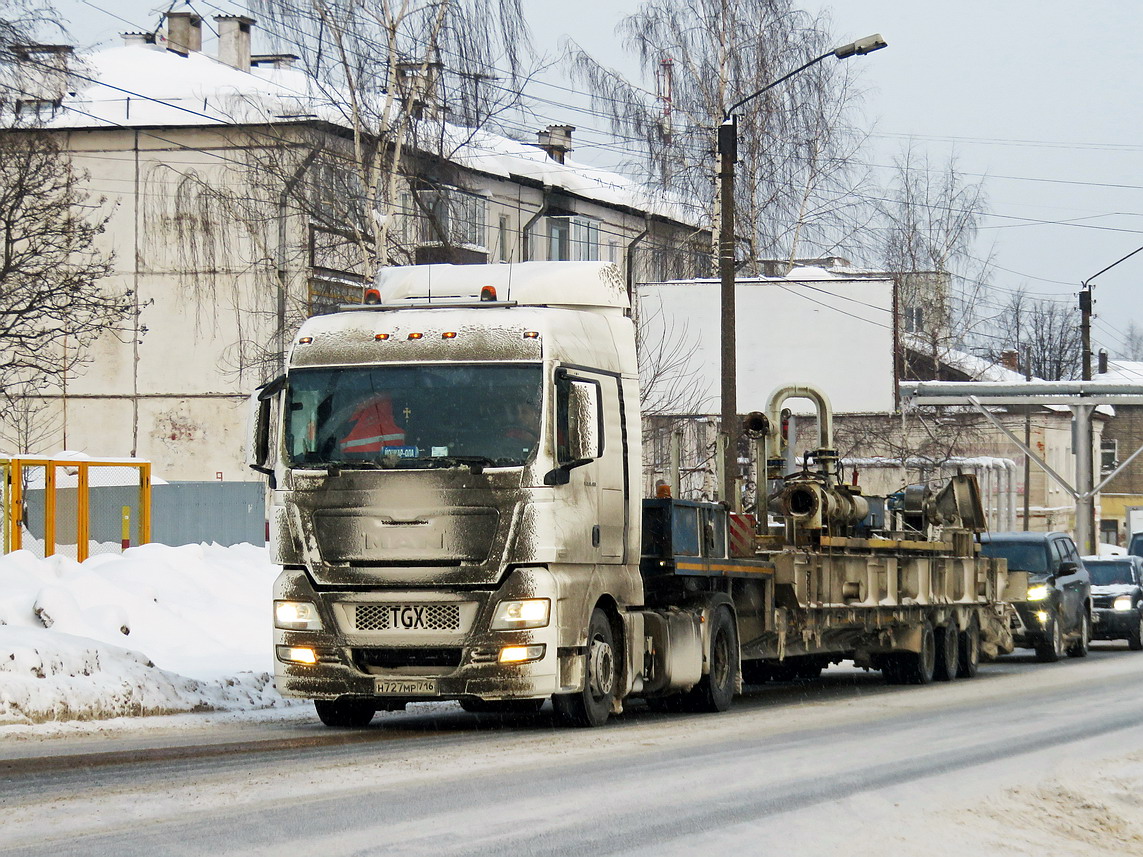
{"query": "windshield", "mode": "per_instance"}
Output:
(1109, 573)
(1021, 556)
(414, 416)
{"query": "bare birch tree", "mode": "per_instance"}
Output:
(797, 144)
(413, 82)
(932, 217)
(1045, 333)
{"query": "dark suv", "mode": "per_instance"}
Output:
(1058, 610)
(1117, 599)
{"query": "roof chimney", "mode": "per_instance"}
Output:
(556, 141)
(417, 81)
(48, 67)
(184, 32)
(273, 60)
(234, 40)
(131, 40)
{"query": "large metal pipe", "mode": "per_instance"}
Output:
(802, 391)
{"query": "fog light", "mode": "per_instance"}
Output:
(1042, 615)
(297, 655)
(520, 654)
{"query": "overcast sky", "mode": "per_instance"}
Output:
(1035, 97)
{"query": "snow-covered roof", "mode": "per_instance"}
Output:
(145, 85)
(1122, 370)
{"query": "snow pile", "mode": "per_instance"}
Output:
(154, 630)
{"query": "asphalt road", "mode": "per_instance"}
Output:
(804, 768)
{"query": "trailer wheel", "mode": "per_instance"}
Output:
(592, 705)
(715, 691)
(345, 712)
(968, 661)
(948, 652)
(917, 667)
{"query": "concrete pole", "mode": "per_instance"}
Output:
(728, 154)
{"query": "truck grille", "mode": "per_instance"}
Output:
(407, 657)
(391, 617)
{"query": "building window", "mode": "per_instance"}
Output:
(451, 216)
(914, 319)
(1108, 456)
(573, 239)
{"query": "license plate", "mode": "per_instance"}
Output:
(406, 686)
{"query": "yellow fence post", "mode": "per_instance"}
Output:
(49, 508)
(16, 519)
(125, 534)
(83, 520)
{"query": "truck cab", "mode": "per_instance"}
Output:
(453, 475)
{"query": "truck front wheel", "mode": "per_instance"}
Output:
(592, 705)
(345, 712)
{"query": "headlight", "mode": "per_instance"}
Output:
(1123, 602)
(296, 616)
(1038, 592)
(533, 613)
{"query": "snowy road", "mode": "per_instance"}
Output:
(1026, 758)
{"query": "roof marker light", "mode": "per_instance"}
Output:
(416, 336)
(531, 334)
(488, 293)
(305, 340)
(449, 334)
(372, 296)
(380, 337)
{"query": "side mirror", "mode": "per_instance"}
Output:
(585, 439)
(1067, 567)
(259, 454)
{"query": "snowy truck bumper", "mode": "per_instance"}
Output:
(417, 644)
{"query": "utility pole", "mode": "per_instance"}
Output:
(728, 154)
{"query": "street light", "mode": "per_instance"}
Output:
(728, 154)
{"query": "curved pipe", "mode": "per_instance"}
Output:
(802, 391)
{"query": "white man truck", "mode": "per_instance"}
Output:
(455, 475)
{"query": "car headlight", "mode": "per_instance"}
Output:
(530, 613)
(1124, 602)
(1038, 592)
(296, 616)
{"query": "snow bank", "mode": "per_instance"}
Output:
(153, 630)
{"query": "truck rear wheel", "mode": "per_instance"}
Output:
(715, 691)
(948, 652)
(592, 705)
(345, 712)
(968, 661)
